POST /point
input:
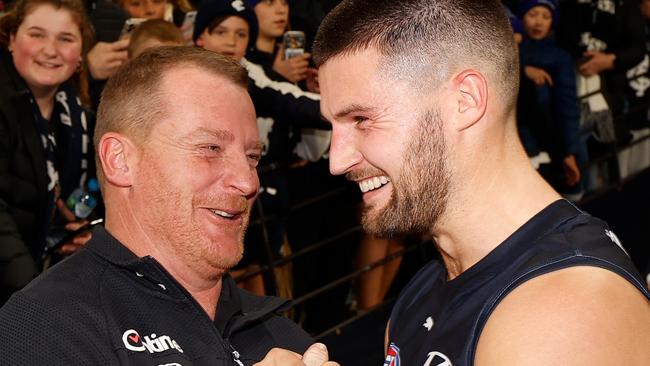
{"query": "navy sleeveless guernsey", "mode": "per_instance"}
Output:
(437, 322)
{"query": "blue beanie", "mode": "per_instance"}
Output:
(517, 25)
(526, 5)
(209, 10)
(252, 3)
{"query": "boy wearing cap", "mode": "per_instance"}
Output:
(273, 20)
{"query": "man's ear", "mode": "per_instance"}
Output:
(118, 155)
(471, 91)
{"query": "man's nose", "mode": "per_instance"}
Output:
(241, 177)
(343, 151)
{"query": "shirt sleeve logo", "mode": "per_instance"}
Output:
(392, 356)
(153, 344)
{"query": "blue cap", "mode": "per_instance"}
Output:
(526, 5)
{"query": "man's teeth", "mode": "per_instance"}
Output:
(223, 214)
(373, 183)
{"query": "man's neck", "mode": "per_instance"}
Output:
(204, 289)
(489, 207)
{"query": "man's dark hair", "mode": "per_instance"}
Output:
(424, 41)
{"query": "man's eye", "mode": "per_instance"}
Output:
(360, 119)
(213, 148)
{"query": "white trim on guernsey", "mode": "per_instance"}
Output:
(261, 80)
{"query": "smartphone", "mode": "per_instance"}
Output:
(188, 26)
(294, 43)
(56, 240)
(129, 26)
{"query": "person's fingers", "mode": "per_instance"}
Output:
(67, 249)
(116, 56)
(64, 210)
(279, 56)
(299, 62)
(280, 357)
(120, 45)
(74, 225)
(315, 355)
(548, 79)
(82, 239)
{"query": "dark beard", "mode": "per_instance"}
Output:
(420, 195)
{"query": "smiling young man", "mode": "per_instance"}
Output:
(421, 95)
(177, 149)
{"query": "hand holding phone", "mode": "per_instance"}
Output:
(129, 26)
(294, 43)
(188, 27)
(56, 241)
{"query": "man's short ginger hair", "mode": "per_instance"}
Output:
(133, 100)
(425, 41)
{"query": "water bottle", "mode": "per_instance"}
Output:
(83, 201)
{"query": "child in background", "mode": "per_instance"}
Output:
(169, 10)
(552, 70)
(152, 33)
(273, 20)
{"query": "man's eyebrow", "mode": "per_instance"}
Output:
(258, 146)
(353, 108)
(201, 132)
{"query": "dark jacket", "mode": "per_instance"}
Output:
(561, 98)
(24, 213)
(283, 106)
(106, 306)
(616, 27)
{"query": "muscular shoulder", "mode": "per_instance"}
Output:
(575, 316)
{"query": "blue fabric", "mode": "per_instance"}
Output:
(561, 98)
(436, 320)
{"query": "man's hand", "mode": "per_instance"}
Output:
(105, 58)
(538, 76)
(293, 69)
(597, 62)
(316, 355)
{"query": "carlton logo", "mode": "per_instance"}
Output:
(152, 344)
(392, 356)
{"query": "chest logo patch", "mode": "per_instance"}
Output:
(437, 359)
(615, 240)
(392, 356)
(428, 324)
(151, 343)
